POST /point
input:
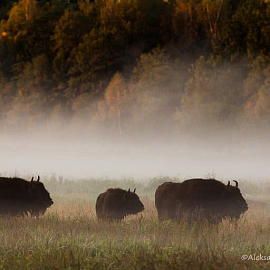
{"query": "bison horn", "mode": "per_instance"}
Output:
(128, 190)
(228, 185)
(32, 179)
(236, 183)
(134, 190)
(38, 178)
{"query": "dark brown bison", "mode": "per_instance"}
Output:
(22, 197)
(116, 203)
(199, 198)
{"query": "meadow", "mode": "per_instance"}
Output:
(69, 236)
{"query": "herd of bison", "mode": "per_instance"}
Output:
(191, 199)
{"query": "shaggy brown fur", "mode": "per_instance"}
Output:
(20, 197)
(116, 203)
(199, 198)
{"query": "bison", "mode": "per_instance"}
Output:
(116, 203)
(21, 197)
(199, 198)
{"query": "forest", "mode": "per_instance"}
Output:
(122, 67)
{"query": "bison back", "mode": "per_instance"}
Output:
(14, 198)
(165, 200)
(109, 205)
(100, 205)
(202, 189)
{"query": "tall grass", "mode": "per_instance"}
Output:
(69, 236)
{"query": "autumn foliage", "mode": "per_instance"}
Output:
(134, 65)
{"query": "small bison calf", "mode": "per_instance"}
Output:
(116, 203)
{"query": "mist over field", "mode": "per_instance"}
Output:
(135, 88)
(222, 156)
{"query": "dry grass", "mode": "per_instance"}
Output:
(68, 236)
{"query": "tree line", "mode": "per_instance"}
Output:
(126, 65)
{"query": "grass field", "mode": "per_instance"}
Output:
(68, 236)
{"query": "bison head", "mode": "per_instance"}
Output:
(39, 198)
(235, 203)
(132, 202)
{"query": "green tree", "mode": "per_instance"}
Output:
(248, 31)
(27, 33)
(256, 92)
(115, 101)
(213, 95)
(213, 13)
(156, 88)
(32, 101)
(36, 75)
(94, 59)
(68, 33)
(184, 23)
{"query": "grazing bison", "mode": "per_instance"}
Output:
(20, 197)
(199, 198)
(116, 203)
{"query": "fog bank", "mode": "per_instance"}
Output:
(186, 157)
